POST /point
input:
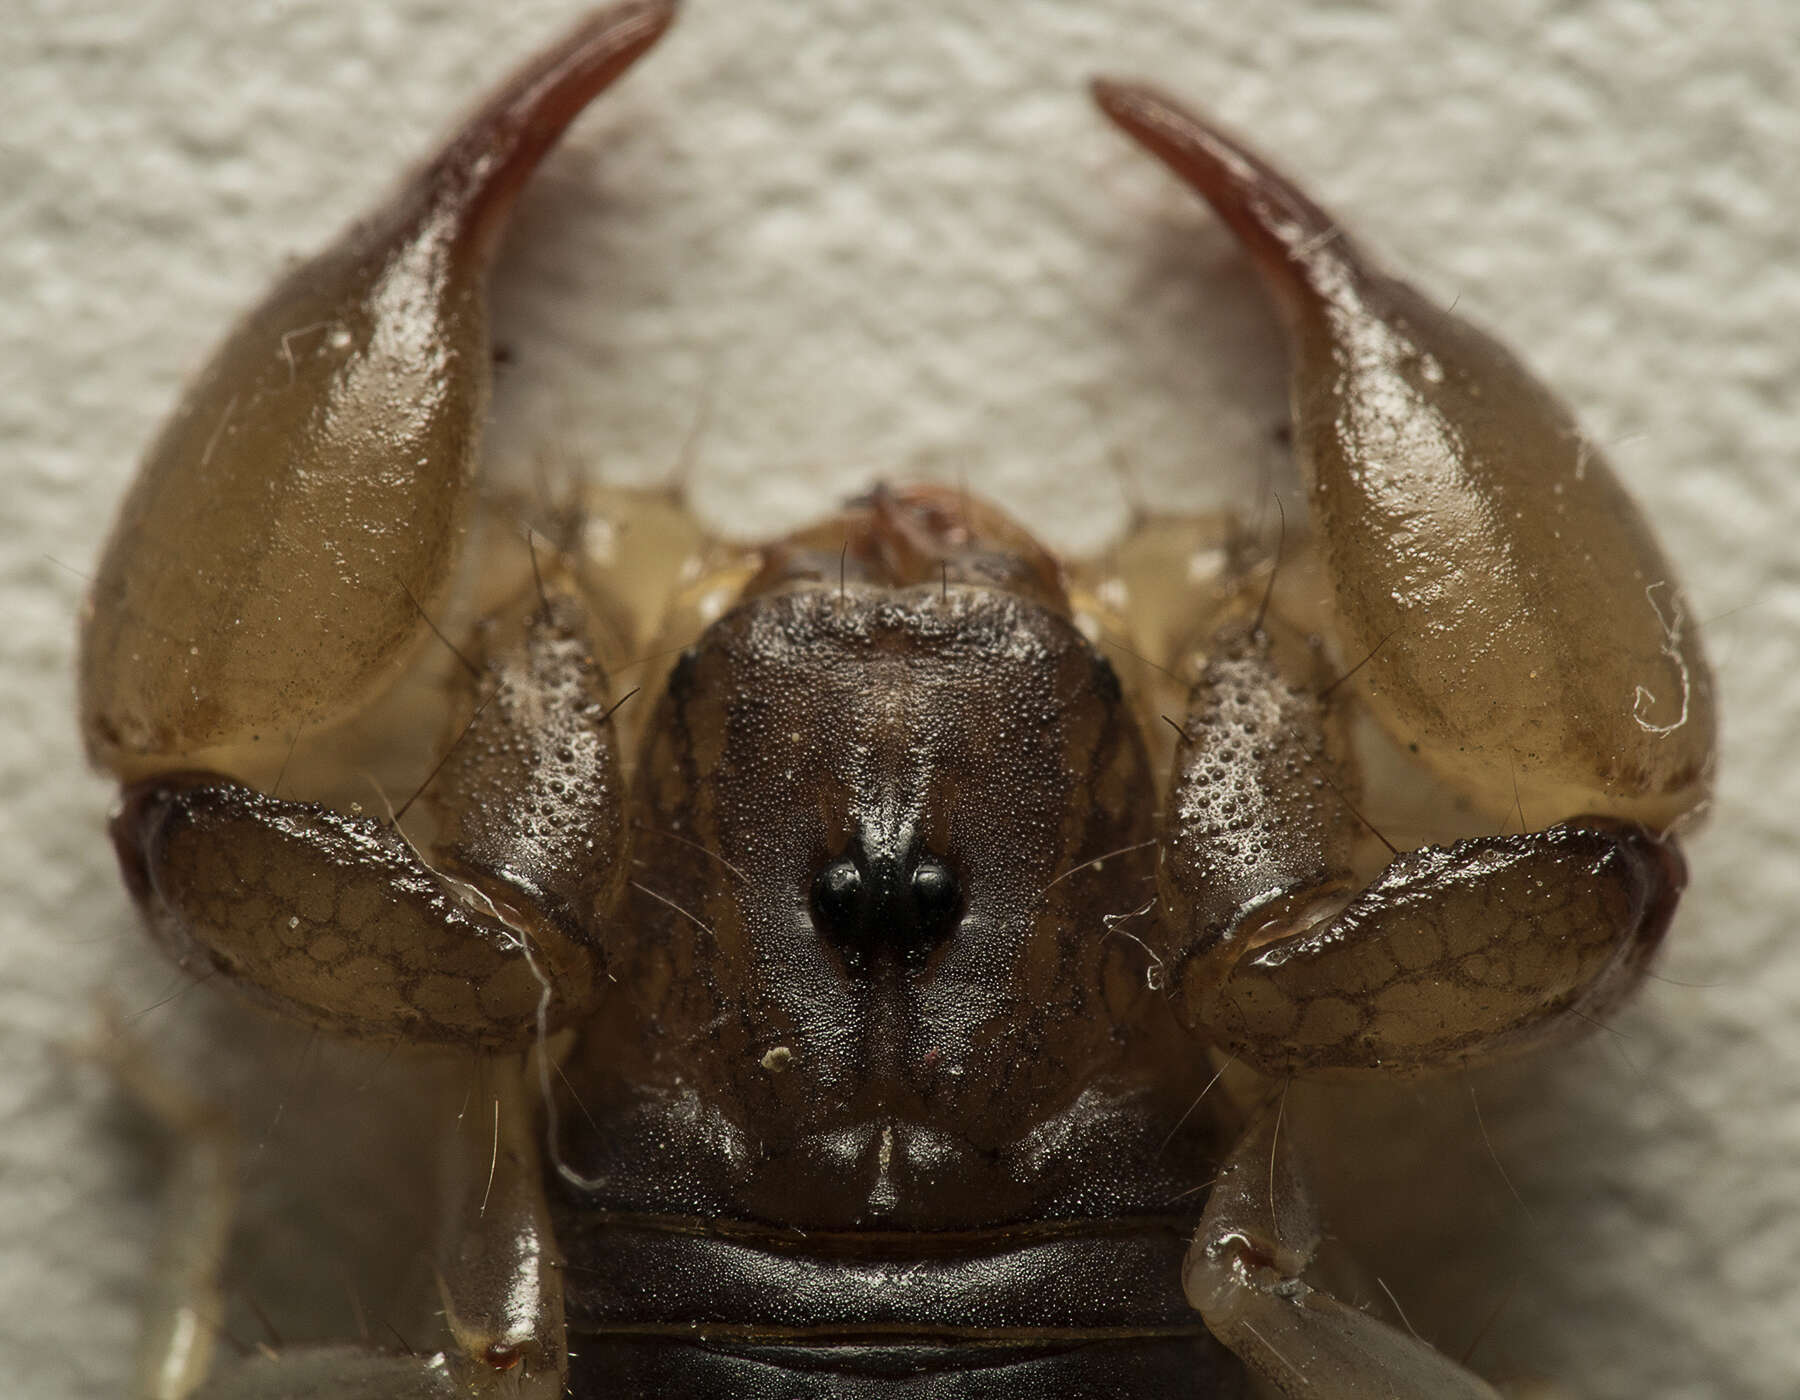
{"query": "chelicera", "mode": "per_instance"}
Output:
(847, 997)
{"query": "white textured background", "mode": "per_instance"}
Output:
(891, 239)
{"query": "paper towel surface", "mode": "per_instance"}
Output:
(887, 240)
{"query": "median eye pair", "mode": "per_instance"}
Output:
(866, 903)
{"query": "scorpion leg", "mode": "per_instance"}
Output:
(1450, 954)
(277, 559)
(302, 510)
(1483, 558)
(498, 1264)
(1243, 1274)
(1520, 622)
(1518, 630)
(287, 539)
(337, 1373)
(500, 1273)
(184, 1300)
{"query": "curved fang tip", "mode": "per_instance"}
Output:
(1299, 248)
(477, 177)
(1461, 510)
(352, 397)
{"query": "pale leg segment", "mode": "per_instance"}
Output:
(1244, 1274)
(499, 1269)
(183, 1302)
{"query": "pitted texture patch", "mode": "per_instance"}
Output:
(1453, 952)
(332, 918)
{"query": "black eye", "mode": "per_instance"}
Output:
(837, 897)
(876, 907)
(936, 896)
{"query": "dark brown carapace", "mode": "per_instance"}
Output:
(847, 998)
